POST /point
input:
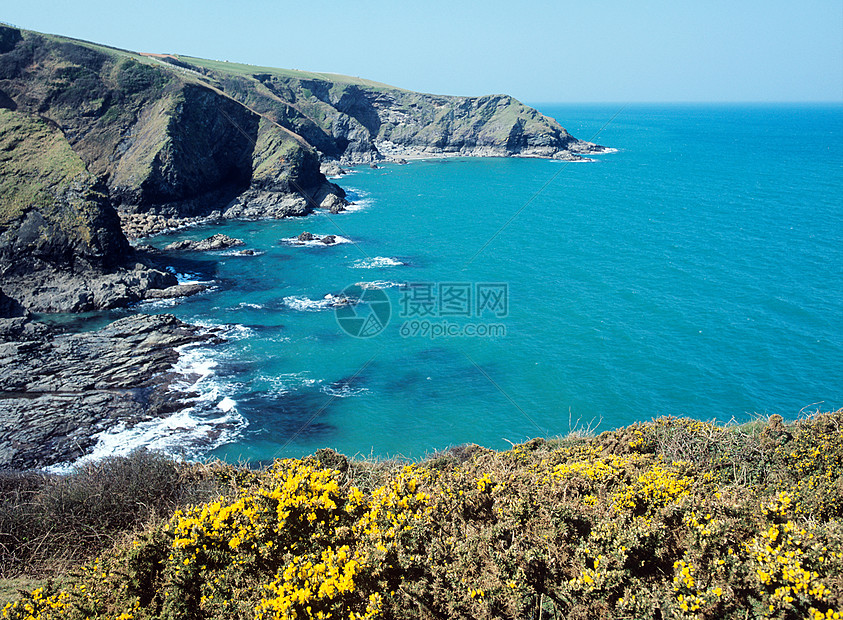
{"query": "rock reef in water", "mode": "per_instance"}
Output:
(58, 389)
(214, 242)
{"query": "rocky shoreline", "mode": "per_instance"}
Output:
(100, 145)
(57, 389)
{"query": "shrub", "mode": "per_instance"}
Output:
(48, 521)
(610, 527)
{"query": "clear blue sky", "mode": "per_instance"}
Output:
(554, 51)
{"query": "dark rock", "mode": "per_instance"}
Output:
(181, 290)
(9, 38)
(332, 169)
(328, 239)
(10, 307)
(214, 242)
(333, 203)
(305, 236)
(53, 290)
(57, 389)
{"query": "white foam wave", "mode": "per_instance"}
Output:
(187, 277)
(184, 434)
(211, 420)
(378, 284)
(226, 331)
(241, 253)
(226, 404)
(145, 305)
(377, 262)
(316, 242)
(307, 304)
(343, 391)
(277, 385)
(246, 304)
(157, 304)
(360, 204)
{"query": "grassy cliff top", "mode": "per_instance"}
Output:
(219, 66)
(673, 518)
(246, 70)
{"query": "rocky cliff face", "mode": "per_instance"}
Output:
(163, 140)
(87, 132)
(61, 245)
(90, 132)
(355, 121)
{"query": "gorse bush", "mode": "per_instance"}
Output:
(668, 519)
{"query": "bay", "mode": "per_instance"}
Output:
(697, 271)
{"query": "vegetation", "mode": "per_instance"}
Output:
(673, 518)
(37, 168)
(36, 161)
(235, 68)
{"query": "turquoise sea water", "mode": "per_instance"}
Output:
(698, 272)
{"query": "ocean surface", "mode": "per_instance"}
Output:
(697, 271)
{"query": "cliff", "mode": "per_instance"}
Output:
(163, 141)
(89, 132)
(61, 246)
(99, 144)
(357, 121)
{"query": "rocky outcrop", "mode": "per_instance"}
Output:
(61, 246)
(308, 238)
(57, 390)
(58, 290)
(173, 292)
(214, 242)
(164, 141)
(353, 121)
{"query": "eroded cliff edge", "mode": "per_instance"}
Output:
(100, 144)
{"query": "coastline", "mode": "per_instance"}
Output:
(60, 391)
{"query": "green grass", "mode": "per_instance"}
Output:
(246, 70)
(231, 68)
(11, 589)
(35, 162)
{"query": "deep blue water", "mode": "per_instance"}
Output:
(696, 272)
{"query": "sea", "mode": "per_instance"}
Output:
(696, 271)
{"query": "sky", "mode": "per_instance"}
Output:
(555, 51)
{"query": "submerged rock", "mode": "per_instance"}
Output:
(180, 290)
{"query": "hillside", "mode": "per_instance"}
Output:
(668, 519)
(163, 141)
(358, 121)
